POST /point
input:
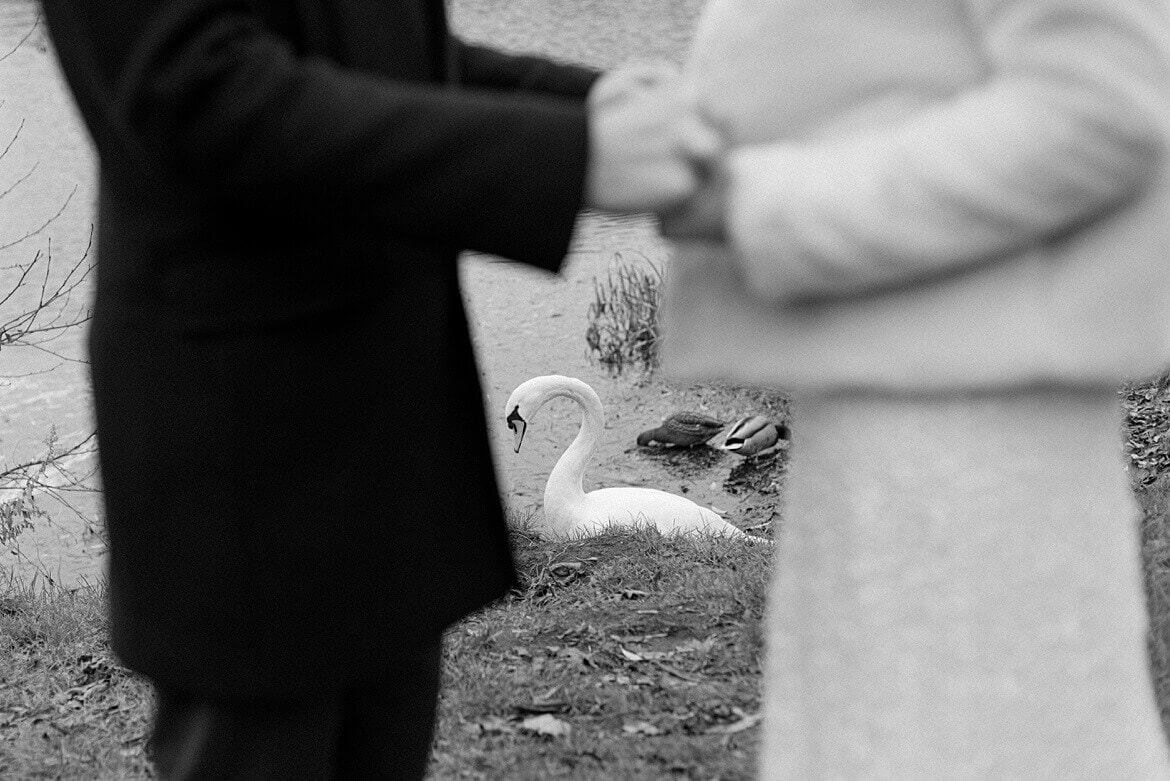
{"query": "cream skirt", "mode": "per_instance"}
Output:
(958, 595)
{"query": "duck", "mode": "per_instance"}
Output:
(569, 510)
(685, 429)
(752, 435)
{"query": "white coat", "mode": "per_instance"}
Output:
(932, 195)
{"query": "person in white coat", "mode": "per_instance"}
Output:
(944, 227)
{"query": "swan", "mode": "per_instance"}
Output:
(683, 428)
(571, 512)
(752, 435)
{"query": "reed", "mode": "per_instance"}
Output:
(623, 329)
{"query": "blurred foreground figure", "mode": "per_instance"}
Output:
(943, 226)
(285, 187)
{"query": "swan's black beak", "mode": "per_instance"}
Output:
(518, 425)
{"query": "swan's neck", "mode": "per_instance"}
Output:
(565, 481)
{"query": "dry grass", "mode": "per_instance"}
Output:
(623, 327)
(628, 655)
(637, 656)
(67, 708)
(623, 656)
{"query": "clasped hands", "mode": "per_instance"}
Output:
(651, 151)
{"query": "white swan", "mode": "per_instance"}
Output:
(571, 512)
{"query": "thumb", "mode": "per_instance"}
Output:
(700, 143)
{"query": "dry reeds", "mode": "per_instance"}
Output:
(623, 318)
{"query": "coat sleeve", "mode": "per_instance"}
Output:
(1070, 123)
(201, 93)
(480, 66)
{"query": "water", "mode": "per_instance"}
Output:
(47, 182)
(525, 322)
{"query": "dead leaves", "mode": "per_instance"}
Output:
(1147, 424)
(546, 726)
(641, 728)
(549, 702)
(548, 581)
(623, 670)
(746, 722)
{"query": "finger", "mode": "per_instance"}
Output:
(651, 73)
(700, 143)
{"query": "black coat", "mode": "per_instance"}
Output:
(292, 441)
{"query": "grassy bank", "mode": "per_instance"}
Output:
(624, 656)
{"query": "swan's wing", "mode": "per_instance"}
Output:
(668, 512)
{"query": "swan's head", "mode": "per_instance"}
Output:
(517, 424)
(523, 403)
(531, 395)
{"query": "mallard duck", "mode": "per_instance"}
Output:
(752, 435)
(686, 429)
(571, 512)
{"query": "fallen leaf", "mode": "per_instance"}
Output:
(577, 657)
(748, 721)
(492, 725)
(630, 655)
(545, 703)
(696, 645)
(565, 568)
(546, 725)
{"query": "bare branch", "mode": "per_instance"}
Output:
(12, 140)
(54, 311)
(43, 300)
(27, 35)
(44, 225)
(21, 180)
(23, 471)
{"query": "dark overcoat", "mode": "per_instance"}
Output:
(292, 439)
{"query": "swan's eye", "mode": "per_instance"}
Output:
(514, 418)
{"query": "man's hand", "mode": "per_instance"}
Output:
(628, 80)
(648, 147)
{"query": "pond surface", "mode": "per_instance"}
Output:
(525, 322)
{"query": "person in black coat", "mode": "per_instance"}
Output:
(298, 484)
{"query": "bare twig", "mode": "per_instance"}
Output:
(45, 224)
(32, 28)
(53, 311)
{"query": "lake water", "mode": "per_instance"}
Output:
(525, 322)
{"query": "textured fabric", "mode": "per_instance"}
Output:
(958, 595)
(932, 195)
(284, 384)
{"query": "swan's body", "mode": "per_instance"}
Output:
(683, 428)
(569, 511)
(752, 435)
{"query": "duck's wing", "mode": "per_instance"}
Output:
(750, 435)
(694, 427)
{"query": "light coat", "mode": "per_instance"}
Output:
(932, 195)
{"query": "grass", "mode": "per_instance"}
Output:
(67, 708)
(623, 326)
(627, 655)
